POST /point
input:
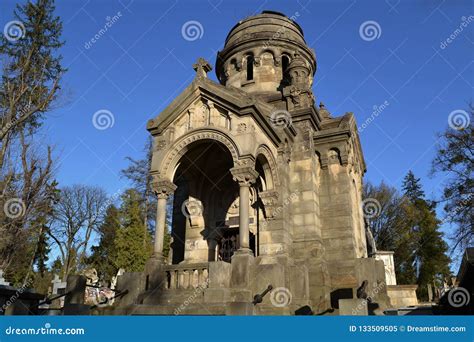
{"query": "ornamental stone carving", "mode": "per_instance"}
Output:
(163, 188)
(244, 175)
(270, 202)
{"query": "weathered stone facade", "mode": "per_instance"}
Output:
(266, 187)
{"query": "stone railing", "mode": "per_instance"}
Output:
(187, 276)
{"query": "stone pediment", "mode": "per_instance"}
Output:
(204, 95)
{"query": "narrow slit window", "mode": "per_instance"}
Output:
(250, 68)
(285, 62)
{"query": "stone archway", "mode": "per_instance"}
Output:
(197, 168)
(204, 195)
(178, 148)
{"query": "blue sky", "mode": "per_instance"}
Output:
(142, 62)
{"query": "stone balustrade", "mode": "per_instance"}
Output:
(187, 276)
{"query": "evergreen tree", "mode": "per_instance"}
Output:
(138, 173)
(430, 259)
(412, 188)
(131, 253)
(32, 69)
(56, 267)
(103, 255)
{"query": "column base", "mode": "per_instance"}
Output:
(242, 267)
(154, 272)
(244, 251)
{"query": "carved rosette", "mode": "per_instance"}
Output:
(244, 174)
(163, 188)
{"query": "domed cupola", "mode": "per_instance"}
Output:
(260, 52)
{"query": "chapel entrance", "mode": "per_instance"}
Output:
(229, 243)
(205, 214)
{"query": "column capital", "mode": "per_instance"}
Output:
(244, 175)
(163, 188)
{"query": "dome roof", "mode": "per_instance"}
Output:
(267, 31)
(268, 25)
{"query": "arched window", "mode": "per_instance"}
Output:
(285, 62)
(250, 60)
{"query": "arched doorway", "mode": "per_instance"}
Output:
(205, 218)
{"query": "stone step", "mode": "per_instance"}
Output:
(215, 309)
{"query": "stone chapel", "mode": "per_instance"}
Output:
(262, 186)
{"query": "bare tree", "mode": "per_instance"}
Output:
(78, 213)
(455, 159)
(27, 205)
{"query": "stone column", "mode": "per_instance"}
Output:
(163, 189)
(245, 176)
(212, 249)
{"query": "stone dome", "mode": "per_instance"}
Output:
(268, 41)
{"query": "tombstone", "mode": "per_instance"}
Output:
(59, 288)
(387, 258)
(74, 300)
